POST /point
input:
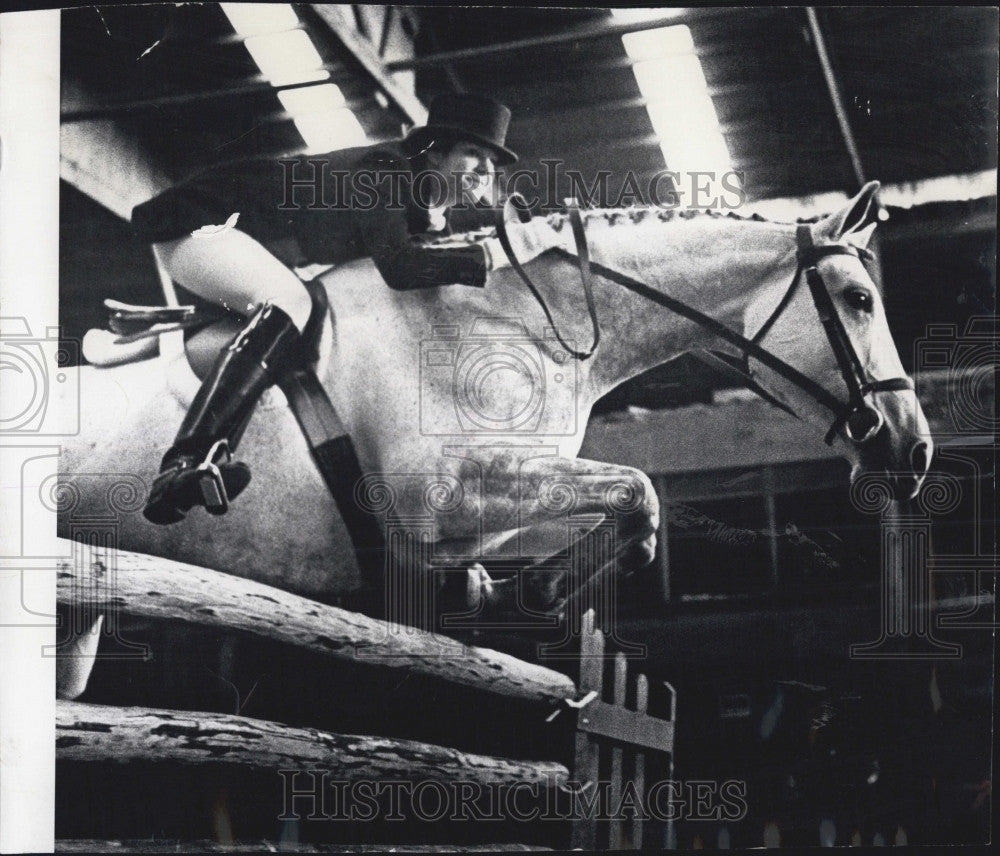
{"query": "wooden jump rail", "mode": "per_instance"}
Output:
(165, 589)
(122, 735)
(96, 581)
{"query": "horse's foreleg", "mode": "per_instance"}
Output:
(75, 658)
(557, 506)
(520, 504)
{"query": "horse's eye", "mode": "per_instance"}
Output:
(859, 298)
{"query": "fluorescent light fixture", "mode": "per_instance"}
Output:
(787, 209)
(322, 117)
(287, 57)
(254, 19)
(312, 99)
(947, 188)
(680, 108)
(330, 130)
(658, 43)
(642, 16)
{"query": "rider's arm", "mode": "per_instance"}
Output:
(383, 230)
(406, 263)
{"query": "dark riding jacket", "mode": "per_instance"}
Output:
(325, 209)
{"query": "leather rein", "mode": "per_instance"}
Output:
(862, 420)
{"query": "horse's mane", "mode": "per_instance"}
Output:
(616, 216)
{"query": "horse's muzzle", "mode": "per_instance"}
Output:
(905, 483)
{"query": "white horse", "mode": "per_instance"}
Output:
(467, 415)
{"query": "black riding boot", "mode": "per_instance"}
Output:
(198, 468)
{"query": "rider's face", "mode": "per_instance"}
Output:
(469, 170)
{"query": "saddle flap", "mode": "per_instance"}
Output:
(127, 319)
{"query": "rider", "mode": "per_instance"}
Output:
(286, 218)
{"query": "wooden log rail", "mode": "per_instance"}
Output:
(165, 589)
(121, 735)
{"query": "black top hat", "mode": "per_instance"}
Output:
(466, 117)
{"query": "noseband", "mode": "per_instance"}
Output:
(861, 420)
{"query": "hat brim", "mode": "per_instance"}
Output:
(420, 138)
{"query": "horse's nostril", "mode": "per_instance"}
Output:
(919, 459)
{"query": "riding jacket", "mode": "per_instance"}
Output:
(325, 209)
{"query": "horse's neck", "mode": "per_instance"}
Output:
(713, 264)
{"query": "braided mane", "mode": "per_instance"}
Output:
(617, 216)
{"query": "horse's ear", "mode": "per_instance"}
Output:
(861, 237)
(856, 220)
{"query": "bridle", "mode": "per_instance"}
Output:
(861, 420)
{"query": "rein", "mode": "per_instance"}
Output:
(517, 204)
(861, 420)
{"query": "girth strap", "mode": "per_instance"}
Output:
(333, 453)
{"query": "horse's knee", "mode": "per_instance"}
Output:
(650, 502)
(643, 552)
(296, 304)
(633, 500)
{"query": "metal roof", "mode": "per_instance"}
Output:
(919, 86)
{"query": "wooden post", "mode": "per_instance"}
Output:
(629, 732)
(641, 705)
(586, 765)
(615, 795)
(663, 538)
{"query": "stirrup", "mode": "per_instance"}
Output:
(183, 484)
(210, 483)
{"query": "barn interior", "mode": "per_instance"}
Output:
(766, 572)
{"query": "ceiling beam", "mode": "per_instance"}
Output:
(576, 34)
(107, 162)
(193, 99)
(340, 21)
(834, 89)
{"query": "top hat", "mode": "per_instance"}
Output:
(468, 117)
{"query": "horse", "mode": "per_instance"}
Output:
(467, 409)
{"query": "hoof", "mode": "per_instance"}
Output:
(478, 587)
(75, 661)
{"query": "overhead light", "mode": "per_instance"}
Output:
(787, 209)
(330, 130)
(678, 101)
(254, 19)
(312, 99)
(322, 117)
(659, 43)
(287, 57)
(947, 188)
(643, 16)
